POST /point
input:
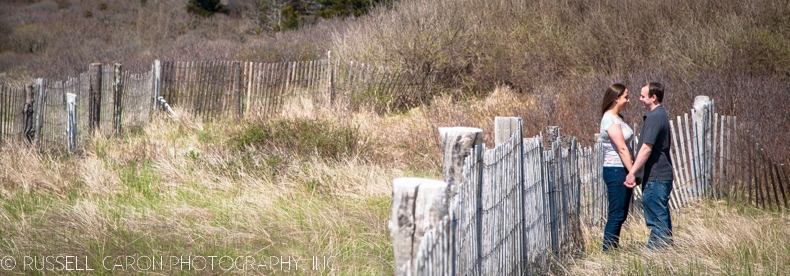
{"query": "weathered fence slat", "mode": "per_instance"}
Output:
(783, 179)
(678, 193)
(685, 191)
(752, 195)
(767, 165)
(259, 79)
(268, 86)
(778, 181)
(714, 180)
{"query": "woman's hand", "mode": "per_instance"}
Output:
(630, 180)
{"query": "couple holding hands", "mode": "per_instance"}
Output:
(651, 164)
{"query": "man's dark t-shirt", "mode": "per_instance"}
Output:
(656, 131)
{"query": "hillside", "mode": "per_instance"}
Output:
(232, 188)
(734, 51)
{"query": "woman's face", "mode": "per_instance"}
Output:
(623, 100)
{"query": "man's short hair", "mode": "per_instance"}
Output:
(655, 88)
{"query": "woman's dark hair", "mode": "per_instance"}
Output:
(613, 92)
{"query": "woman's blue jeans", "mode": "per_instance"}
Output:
(619, 201)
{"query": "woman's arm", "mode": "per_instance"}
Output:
(616, 135)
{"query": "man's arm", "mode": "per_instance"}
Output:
(641, 158)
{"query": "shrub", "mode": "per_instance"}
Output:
(206, 8)
(63, 4)
(326, 139)
(290, 19)
(30, 39)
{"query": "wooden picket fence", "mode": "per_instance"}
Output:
(513, 209)
(110, 100)
(39, 115)
(518, 206)
(213, 89)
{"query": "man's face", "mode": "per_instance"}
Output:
(646, 100)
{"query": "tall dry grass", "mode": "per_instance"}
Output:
(711, 238)
(179, 188)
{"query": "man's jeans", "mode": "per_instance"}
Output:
(655, 201)
(619, 200)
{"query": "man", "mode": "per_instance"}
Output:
(654, 161)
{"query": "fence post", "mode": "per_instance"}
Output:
(30, 100)
(504, 129)
(239, 101)
(71, 120)
(3, 96)
(411, 200)
(39, 105)
(94, 92)
(117, 96)
(157, 85)
(330, 78)
(701, 118)
(457, 144)
(552, 135)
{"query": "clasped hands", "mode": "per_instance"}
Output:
(630, 180)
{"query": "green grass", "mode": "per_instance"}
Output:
(175, 190)
(301, 136)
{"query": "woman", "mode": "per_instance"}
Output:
(617, 161)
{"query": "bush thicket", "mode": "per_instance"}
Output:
(206, 8)
(564, 53)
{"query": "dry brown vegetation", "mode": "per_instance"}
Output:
(181, 186)
(563, 52)
(711, 238)
(185, 187)
(567, 52)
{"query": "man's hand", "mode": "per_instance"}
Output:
(630, 181)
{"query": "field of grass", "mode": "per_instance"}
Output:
(711, 238)
(180, 191)
(314, 184)
(186, 188)
(564, 53)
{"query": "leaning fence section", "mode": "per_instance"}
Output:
(562, 188)
(593, 197)
(136, 104)
(108, 100)
(274, 87)
(358, 85)
(519, 205)
(206, 89)
(51, 114)
(12, 113)
(515, 208)
(744, 172)
(714, 156)
(501, 221)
